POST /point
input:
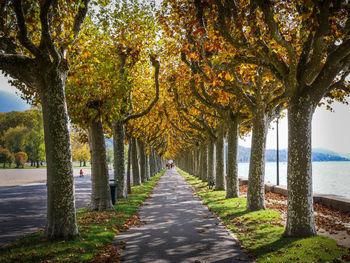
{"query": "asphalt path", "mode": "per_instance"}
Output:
(178, 227)
(23, 208)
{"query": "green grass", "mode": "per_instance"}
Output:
(97, 229)
(260, 232)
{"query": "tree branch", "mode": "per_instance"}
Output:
(22, 35)
(313, 67)
(46, 38)
(155, 64)
(19, 67)
(79, 18)
(8, 45)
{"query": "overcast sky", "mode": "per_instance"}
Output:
(330, 130)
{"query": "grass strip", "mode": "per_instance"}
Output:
(97, 229)
(260, 232)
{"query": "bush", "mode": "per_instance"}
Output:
(20, 159)
(11, 159)
(4, 155)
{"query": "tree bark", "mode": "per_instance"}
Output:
(142, 160)
(232, 188)
(119, 159)
(210, 177)
(204, 163)
(61, 218)
(148, 169)
(256, 190)
(128, 172)
(100, 192)
(135, 163)
(300, 215)
(152, 163)
(219, 175)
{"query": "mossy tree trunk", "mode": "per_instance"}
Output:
(128, 171)
(256, 191)
(232, 188)
(119, 159)
(135, 163)
(300, 215)
(219, 173)
(210, 177)
(142, 154)
(100, 192)
(204, 162)
(61, 218)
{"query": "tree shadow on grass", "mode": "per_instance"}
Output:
(281, 243)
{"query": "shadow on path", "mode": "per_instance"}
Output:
(178, 228)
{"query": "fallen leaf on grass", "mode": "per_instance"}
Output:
(108, 254)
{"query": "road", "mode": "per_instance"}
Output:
(23, 208)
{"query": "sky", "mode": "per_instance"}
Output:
(330, 130)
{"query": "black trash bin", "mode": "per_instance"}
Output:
(113, 189)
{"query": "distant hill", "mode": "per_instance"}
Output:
(11, 102)
(318, 155)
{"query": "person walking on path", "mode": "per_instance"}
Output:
(177, 227)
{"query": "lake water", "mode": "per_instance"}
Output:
(328, 177)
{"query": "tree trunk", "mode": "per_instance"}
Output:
(152, 163)
(232, 188)
(204, 163)
(210, 162)
(148, 169)
(219, 175)
(37, 164)
(61, 218)
(142, 161)
(84, 164)
(256, 190)
(119, 159)
(300, 215)
(196, 162)
(135, 164)
(128, 172)
(100, 192)
(80, 163)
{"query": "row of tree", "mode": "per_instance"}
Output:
(173, 83)
(241, 63)
(23, 132)
(6, 157)
(110, 83)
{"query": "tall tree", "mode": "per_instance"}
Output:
(34, 42)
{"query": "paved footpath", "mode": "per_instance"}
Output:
(178, 228)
